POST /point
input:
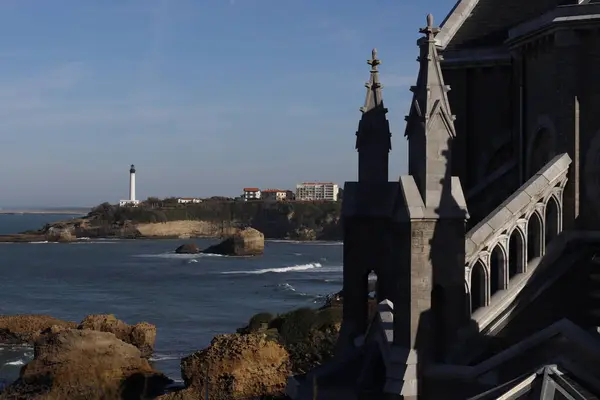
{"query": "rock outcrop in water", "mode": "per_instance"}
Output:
(59, 234)
(188, 248)
(85, 364)
(245, 242)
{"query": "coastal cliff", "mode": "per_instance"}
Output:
(211, 218)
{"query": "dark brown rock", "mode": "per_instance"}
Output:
(188, 248)
(245, 242)
(19, 329)
(141, 335)
(86, 364)
(239, 367)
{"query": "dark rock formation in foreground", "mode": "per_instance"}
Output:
(85, 364)
(26, 329)
(105, 358)
(188, 248)
(142, 335)
(235, 367)
(245, 242)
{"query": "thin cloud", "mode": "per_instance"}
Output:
(31, 92)
(153, 57)
(335, 31)
(397, 80)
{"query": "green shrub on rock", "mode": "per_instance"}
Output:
(329, 317)
(298, 324)
(260, 321)
(309, 335)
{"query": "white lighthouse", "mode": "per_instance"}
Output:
(131, 201)
(132, 183)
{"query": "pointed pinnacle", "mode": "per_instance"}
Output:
(374, 61)
(429, 30)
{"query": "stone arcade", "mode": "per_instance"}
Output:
(500, 299)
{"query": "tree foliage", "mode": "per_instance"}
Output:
(309, 215)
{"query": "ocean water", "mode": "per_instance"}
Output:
(190, 298)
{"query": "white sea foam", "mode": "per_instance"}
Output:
(94, 241)
(17, 362)
(306, 242)
(293, 268)
(163, 357)
(289, 288)
(41, 242)
(178, 256)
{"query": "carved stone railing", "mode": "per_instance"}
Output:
(513, 217)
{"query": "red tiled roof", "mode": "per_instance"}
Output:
(273, 191)
(251, 189)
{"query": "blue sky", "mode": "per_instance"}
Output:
(203, 96)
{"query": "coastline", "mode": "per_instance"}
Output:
(30, 238)
(44, 212)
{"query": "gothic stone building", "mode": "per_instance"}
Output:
(485, 253)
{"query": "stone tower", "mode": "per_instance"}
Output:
(373, 138)
(366, 212)
(428, 256)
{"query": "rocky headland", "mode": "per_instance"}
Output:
(282, 220)
(104, 358)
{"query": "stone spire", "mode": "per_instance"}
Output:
(373, 138)
(430, 123)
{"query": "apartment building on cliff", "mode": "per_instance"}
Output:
(317, 191)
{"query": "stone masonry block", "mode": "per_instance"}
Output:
(519, 202)
(536, 185)
(499, 218)
(557, 168)
(470, 247)
(480, 235)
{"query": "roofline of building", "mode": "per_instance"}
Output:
(482, 56)
(579, 14)
(454, 20)
(463, 9)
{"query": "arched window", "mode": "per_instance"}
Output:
(534, 237)
(497, 269)
(478, 286)
(552, 220)
(516, 253)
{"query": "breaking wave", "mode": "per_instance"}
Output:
(178, 256)
(163, 357)
(293, 268)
